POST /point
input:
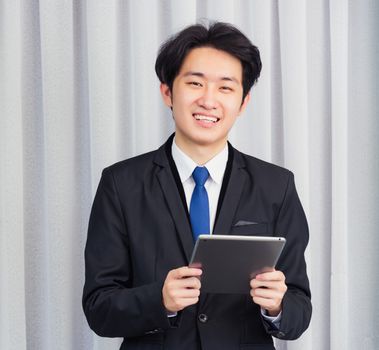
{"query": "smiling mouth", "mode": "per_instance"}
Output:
(206, 118)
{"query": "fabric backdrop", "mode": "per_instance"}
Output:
(78, 92)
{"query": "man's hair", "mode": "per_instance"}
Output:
(221, 36)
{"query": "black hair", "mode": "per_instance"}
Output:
(219, 35)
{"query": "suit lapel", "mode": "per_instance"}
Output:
(174, 203)
(232, 196)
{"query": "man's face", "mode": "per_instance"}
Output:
(206, 97)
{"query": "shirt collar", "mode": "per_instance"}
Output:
(185, 165)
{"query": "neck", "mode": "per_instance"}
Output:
(200, 154)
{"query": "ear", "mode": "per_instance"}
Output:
(244, 103)
(166, 95)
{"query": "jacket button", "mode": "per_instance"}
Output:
(203, 318)
(280, 335)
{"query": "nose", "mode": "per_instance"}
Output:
(208, 99)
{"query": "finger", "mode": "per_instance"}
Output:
(271, 276)
(177, 304)
(184, 283)
(189, 282)
(267, 293)
(184, 302)
(268, 304)
(185, 271)
(184, 293)
(275, 285)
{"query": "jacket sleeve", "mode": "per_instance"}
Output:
(113, 305)
(292, 224)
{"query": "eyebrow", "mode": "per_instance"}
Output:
(202, 75)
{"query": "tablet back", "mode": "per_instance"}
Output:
(229, 262)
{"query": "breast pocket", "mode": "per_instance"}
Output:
(251, 228)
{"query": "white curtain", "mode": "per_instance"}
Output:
(78, 92)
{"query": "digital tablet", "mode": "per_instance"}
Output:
(229, 262)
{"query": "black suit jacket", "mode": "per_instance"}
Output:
(139, 230)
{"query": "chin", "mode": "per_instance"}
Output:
(209, 141)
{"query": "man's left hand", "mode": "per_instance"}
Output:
(267, 290)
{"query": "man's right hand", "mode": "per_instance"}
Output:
(181, 288)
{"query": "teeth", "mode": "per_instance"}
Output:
(206, 118)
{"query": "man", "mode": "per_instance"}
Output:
(146, 213)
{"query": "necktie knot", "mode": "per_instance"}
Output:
(200, 175)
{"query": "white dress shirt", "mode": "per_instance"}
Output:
(216, 168)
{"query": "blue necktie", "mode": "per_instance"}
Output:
(199, 207)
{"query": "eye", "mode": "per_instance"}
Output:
(195, 83)
(226, 88)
